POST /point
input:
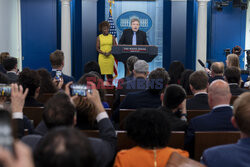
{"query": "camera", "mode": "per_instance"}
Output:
(80, 90)
(5, 90)
(58, 75)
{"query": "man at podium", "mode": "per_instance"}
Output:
(133, 36)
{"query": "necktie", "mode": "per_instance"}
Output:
(134, 39)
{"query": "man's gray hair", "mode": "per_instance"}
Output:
(135, 19)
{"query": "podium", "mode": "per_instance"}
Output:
(143, 52)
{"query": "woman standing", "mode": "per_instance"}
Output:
(104, 44)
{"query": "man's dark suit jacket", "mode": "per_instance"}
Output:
(127, 37)
(12, 77)
(134, 85)
(236, 90)
(198, 102)
(66, 78)
(104, 148)
(219, 119)
(175, 122)
(134, 100)
(211, 79)
(2, 69)
(32, 102)
(229, 155)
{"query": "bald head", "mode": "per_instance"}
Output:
(218, 93)
(242, 112)
(217, 69)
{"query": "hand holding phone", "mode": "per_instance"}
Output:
(79, 90)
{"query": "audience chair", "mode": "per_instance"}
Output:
(109, 112)
(194, 113)
(204, 140)
(35, 114)
(122, 97)
(176, 160)
(110, 89)
(124, 142)
(109, 98)
(123, 114)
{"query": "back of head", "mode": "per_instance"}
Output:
(141, 66)
(85, 109)
(149, 128)
(29, 79)
(232, 75)
(242, 112)
(92, 66)
(59, 111)
(173, 96)
(46, 83)
(3, 56)
(96, 79)
(185, 81)
(175, 70)
(131, 62)
(199, 80)
(64, 147)
(158, 79)
(56, 59)
(10, 63)
(217, 68)
(233, 60)
(219, 93)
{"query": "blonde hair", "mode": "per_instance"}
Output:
(233, 61)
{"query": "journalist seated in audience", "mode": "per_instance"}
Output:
(198, 85)
(139, 83)
(149, 98)
(130, 67)
(10, 65)
(175, 71)
(233, 61)
(174, 105)
(57, 63)
(30, 79)
(217, 70)
(151, 131)
(60, 111)
(86, 112)
(64, 147)
(184, 82)
(47, 84)
(233, 154)
(232, 76)
(219, 119)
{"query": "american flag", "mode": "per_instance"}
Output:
(112, 30)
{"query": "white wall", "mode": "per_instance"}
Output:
(247, 46)
(10, 28)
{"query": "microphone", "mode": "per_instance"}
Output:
(201, 63)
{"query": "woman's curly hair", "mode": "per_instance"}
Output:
(149, 128)
(103, 24)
